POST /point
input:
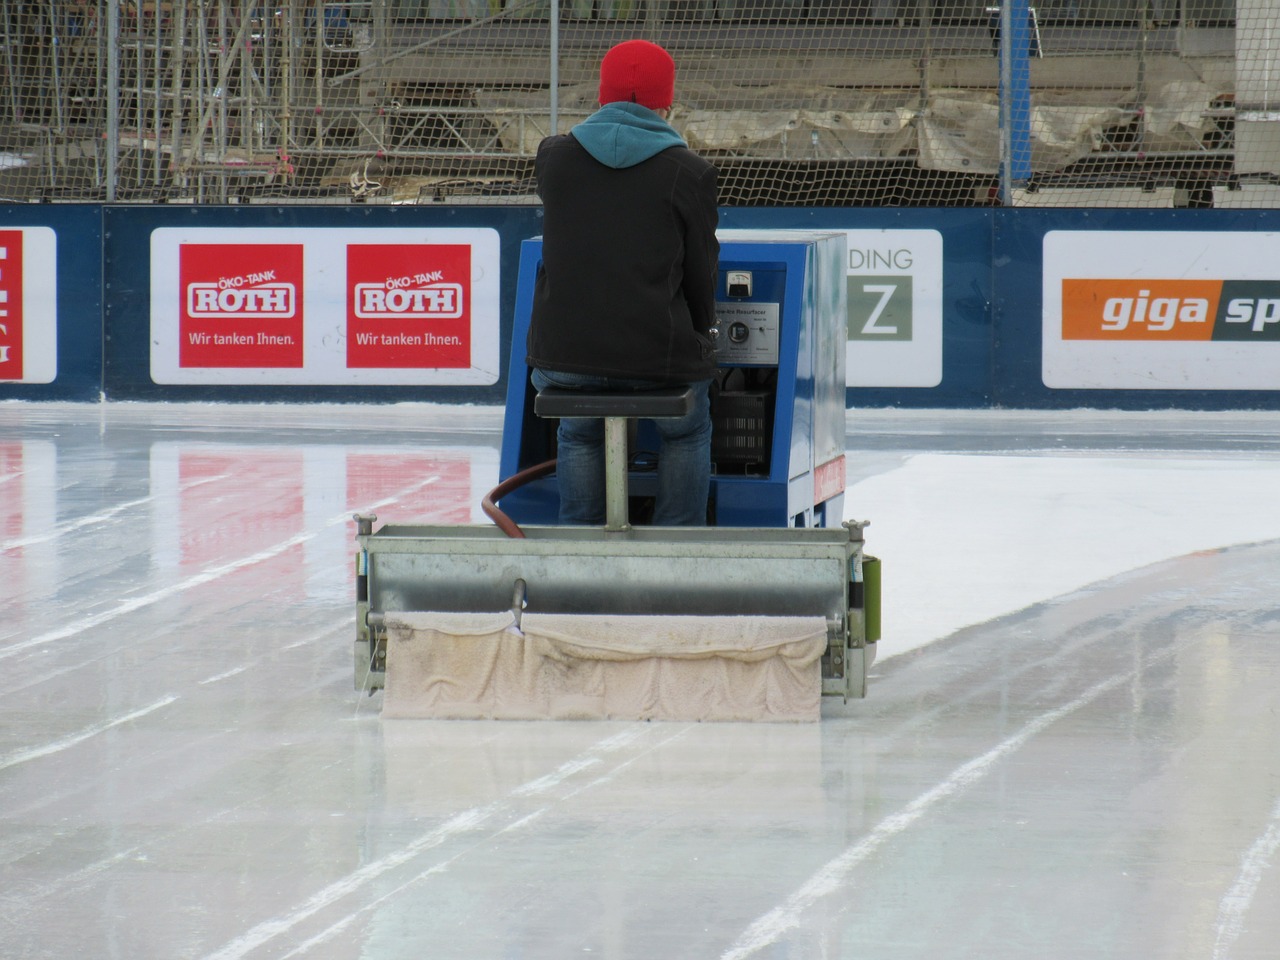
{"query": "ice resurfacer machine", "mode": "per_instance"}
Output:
(754, 616)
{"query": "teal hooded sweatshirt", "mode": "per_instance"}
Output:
(621, 135)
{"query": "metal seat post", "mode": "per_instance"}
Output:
(616, 494)
(616, 409)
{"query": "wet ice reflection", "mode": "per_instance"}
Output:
(221, 505)
(28, 524)
(185, 770)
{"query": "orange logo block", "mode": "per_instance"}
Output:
(1142, 309)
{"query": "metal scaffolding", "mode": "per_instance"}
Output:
(820, 102)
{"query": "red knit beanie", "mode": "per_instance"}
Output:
(638, 71)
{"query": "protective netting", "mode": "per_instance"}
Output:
(825, 102)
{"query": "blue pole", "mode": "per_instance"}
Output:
(112, 145)
(1015, 96)
(554, 84)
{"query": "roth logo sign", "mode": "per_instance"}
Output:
(1171, 310)
(241, 305)
(265, 301)
(325, 305)
(430, 301)
(409, 305)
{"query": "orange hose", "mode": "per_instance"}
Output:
(489, 503)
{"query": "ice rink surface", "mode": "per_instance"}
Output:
(1071, 747)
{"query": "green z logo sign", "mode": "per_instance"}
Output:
(880, 308)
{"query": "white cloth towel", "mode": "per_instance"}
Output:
(563, 666)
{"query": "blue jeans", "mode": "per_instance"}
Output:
(684, 464)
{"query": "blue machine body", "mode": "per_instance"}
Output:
(778, 406)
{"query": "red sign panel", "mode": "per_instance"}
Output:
(409, 305)
(10, 304)
(828, 479)
(241, 305)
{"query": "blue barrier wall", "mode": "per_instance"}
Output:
(948, 307)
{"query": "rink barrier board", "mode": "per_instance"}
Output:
(979, 275)
(59, 303)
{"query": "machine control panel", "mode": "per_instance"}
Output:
(748, 333)
(748, 308)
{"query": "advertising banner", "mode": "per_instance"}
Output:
(28, 305)
(299, 305)
(241, 305)
(895, 308)
(1161, 310)
(400, 316)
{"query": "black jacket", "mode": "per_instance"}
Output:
(629, 258)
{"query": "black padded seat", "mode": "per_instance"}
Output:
(665, 402)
